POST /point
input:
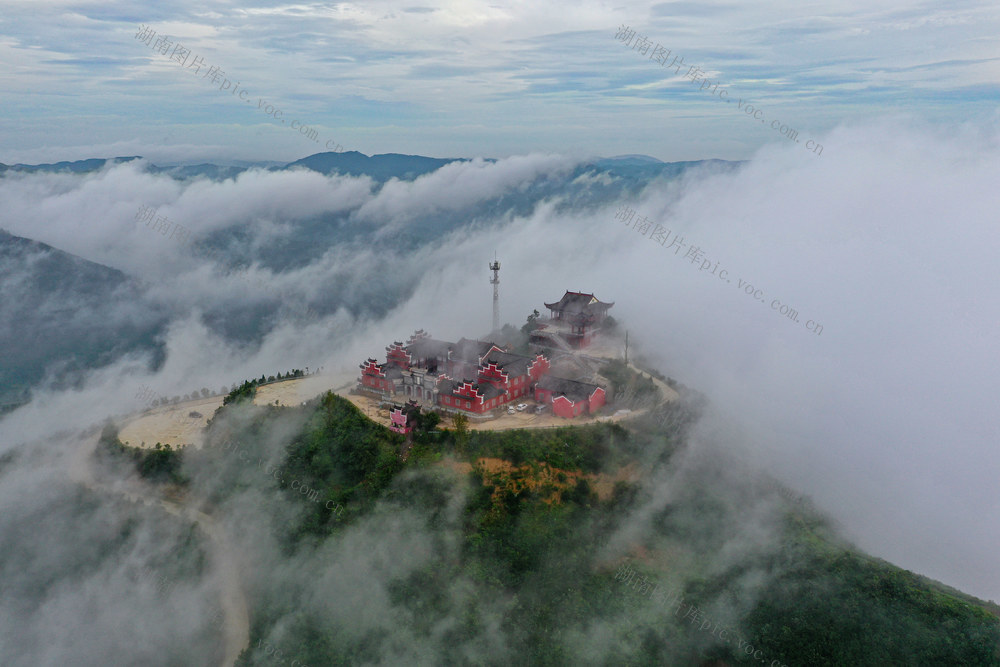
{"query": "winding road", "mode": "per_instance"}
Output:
(224, 554)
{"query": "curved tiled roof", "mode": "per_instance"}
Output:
(574, 390)
(579, 302)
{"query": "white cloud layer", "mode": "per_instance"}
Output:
(885, 418)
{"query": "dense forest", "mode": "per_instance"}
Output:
(523, 567)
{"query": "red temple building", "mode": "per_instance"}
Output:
(403, 416)
(575, 318)
(569, 398)
(425, 370)
(501, 377)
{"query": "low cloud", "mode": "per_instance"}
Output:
(884, 418)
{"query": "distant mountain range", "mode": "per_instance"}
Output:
(77, 166)
(379, 168)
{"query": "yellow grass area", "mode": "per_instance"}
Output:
(535, 476)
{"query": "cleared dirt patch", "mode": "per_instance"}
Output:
(182, 424)
(172, 425)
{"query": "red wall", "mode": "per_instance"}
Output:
(381, 384)
(538, 368)
(494, 376)
(372, 376)
(477, 406)
(597, 400)
(563, 407)
(398, 421)
(464, 393)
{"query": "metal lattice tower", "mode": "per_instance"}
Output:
(495, 281)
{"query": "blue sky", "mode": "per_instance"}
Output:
(472, 78)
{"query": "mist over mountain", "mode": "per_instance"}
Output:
(307, 239)
(457, 333)
(61, 316)
(793, 444)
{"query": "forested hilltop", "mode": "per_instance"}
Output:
(599, 544)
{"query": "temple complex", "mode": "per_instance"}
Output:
(476, 378)
(483, 380)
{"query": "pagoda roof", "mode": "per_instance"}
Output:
(574, 390)
(578, 302)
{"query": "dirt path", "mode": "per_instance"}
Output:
(669, 394)
(224, 554)
(225, 557)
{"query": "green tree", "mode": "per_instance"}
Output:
(245, 392)
(428, 421)
(531, 324)
(461, 431)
